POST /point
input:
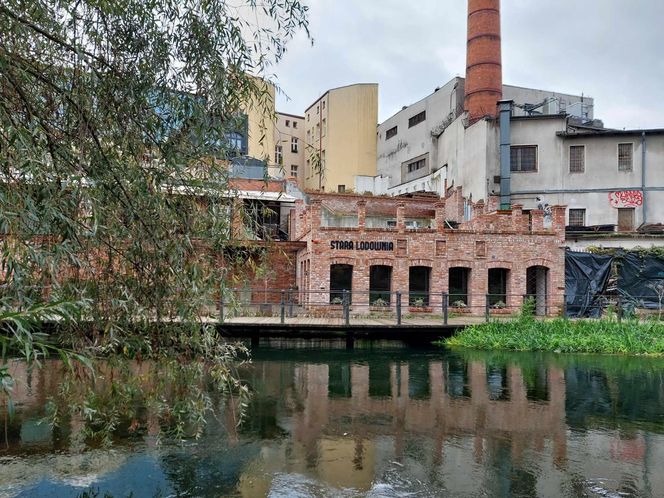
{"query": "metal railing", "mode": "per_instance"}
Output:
(399, 307)
(393, 307)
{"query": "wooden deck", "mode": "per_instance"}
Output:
(411, 328)
(354, 322)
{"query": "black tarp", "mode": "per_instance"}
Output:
(639, 277)
(586, 276)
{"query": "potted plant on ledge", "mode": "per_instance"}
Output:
(418, 305)
(500, 308)
(379, 305)
(459, 306)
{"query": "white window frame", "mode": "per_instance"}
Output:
(618, 157)
(569, 159)
(294, 146)
(278, 155)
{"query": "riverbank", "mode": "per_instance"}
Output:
(564, 336)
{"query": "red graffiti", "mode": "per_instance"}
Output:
(626, 198)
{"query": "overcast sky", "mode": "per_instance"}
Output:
(611, 50)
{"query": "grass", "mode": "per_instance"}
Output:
(564, 336)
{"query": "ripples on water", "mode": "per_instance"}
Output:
(379, 420)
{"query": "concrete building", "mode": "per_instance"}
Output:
(340, 137)
(289, 146)
(545, 149)
(260, 122)
(430, 135)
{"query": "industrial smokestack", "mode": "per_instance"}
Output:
(484, 72)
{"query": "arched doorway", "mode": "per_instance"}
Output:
(498, 287)
(419, 282)
(537, 288)
(341, 279)
(459, 279)
(380, 284)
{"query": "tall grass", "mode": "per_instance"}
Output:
(564, 336)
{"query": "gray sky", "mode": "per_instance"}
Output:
(612, 50)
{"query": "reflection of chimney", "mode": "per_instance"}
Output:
(484, 75)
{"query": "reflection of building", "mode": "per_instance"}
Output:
(349, 422)
(341, 137)
(422, 247)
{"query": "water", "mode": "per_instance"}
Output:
(380, 420)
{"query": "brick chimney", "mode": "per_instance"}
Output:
(484, 73)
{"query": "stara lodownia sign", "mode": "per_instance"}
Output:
(356, 245)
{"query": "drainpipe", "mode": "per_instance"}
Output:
(505, 107)
(643, 177)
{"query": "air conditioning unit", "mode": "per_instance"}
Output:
(496, 179)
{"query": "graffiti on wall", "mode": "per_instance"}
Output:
(626, 198)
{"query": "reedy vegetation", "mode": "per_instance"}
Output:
(114, 122)
(560, 335)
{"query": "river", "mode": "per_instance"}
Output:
(379, 420)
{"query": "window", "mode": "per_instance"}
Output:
(498, 283)
(577, 158)
(417, 119)
(625, 219)
(341, 188)
(380, 284)
(323, 104)
(459, 279)
(235, 142)
(523, 158)
(308, 136)
(294, 145)
(417, 165)
(625, 157)
(392, 132)
(278, 154)
(317, 109)
(293, 170)
(294, 124)
(577, 217)
(324, 127)
(341, 279)
(288, 123)
(419, 278)
(308, 116)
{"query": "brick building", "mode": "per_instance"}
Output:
(422, 247)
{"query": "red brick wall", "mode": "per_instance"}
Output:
(509, 243)
(264, 266)
(484, 82)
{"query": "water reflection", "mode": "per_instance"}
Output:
(381, 420)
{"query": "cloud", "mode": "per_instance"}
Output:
(607, 49)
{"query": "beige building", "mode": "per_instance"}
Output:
(261, 123)
(289, 146)
(340, 137)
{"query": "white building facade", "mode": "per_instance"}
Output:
(610, 180)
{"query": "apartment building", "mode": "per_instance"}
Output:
(340, 137)
(289, 146)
